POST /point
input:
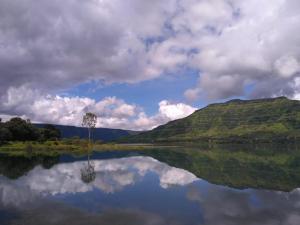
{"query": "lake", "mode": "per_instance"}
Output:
(152, 187)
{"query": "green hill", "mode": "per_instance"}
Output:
(262, 120)
(103, 134)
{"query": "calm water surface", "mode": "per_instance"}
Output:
(126, 188)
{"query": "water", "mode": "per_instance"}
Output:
(137, 188)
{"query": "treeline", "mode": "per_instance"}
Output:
(17, 129)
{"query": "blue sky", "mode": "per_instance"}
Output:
(146, 93)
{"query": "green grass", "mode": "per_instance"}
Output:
(67, 146)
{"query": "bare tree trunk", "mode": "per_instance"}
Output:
(89, 145)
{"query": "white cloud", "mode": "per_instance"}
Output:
(254, 39)
(54, 45)
(175, 111)
(167, 111)
(192, 94)
(287, 66)
(297, 88)
(111, 111)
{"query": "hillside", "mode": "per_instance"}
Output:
(273, 119)
(103, 134)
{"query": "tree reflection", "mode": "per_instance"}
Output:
(88, 173)
(14, 167)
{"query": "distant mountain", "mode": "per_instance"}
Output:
(104, 134)
(272, 119)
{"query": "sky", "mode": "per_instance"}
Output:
(137, 63)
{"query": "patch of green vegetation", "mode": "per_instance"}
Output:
(17, 129)
(263, 120)
(65, 146)
(21, 138)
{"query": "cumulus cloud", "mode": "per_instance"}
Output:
(297, 87)
(111, 111)
(254, 43)
(175, 111)
(287, 66)
(57, 44)
(54, 45)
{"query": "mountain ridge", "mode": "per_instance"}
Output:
(235, 120)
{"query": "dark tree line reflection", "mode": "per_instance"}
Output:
(14, 167)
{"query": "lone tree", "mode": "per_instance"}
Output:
(89, 120)
(88, 174)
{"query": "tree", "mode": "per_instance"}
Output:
(22, 130)
(50, 132)
(89, 120)
(5, 135)
(88, 174)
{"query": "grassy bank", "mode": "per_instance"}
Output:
(67, 146)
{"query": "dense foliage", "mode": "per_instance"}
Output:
(49, 132)
(18, 129)
(276, 119)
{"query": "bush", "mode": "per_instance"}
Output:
(5, 135)
(49, 132)
(18, 129)
(22, 130)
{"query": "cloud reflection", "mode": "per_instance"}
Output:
(111, 176)
(226, 206)
(194, 203)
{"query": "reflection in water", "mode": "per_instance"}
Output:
(88, 173)
(262, 168)
(61, 193)
(16, 166)
(137, 190)
(228, 206)
(110, 176)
